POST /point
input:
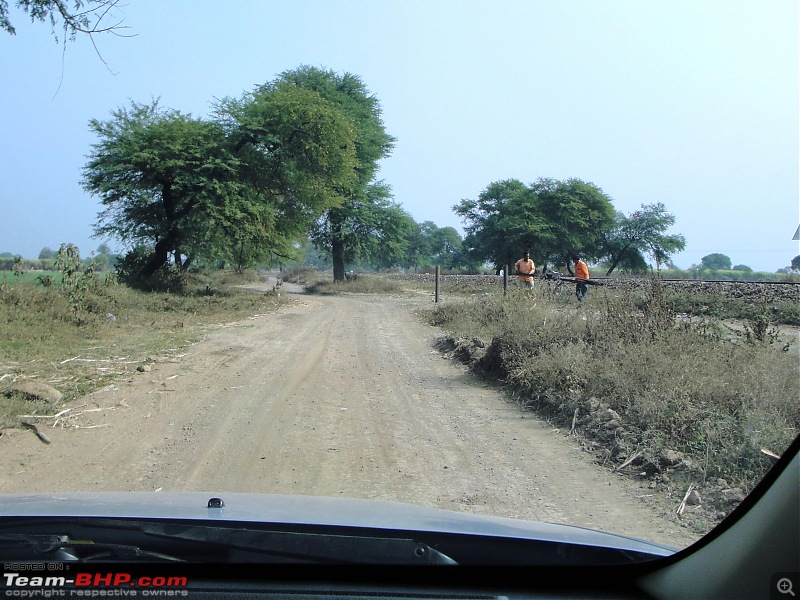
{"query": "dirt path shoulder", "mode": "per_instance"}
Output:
(331, 396)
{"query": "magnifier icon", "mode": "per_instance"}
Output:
(785, 586)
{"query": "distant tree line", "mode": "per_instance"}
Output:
(428, 246)
(292, 166)
(425, 246)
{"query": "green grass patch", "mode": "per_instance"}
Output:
(42, 278)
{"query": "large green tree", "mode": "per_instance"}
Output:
(502, 223)
(446, 246)
(640, 234)
(234, 189)
(371, 228)
(716, 262)
(552, 219)
(160, 174)
(575, 215)
(367, 225)
(417, 248)
(298, 159)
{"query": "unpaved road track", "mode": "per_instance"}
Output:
(331, 396)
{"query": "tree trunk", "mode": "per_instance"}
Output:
(337, 244)
(614, 263)
(615, 260)
(337, 253)
(159, 258)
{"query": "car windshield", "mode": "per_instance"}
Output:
(529, 260)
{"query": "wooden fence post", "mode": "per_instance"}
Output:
(438, 274)
(505, 280)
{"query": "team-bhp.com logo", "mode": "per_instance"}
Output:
(93, 585)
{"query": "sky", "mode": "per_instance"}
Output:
(691, 103)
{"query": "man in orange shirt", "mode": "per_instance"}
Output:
(581, 272)
(525, 270)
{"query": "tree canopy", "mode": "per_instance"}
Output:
(716, 262)
(639, 234)
(159, 174)
(370, 228)
(574, 214)
(552, 219)
(500, 224)
(298, 154)
(367, 224)
(237, 189)
(429, 245)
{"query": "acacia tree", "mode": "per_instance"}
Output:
(298, 158)
(372, 230)
(234, 189)
(503, 222)
(417, 247)
(551, 219)
(639, 234)
(158, 173)
(575, 215)
(446, 246)
(367, 224)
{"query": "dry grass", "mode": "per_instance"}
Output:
(675, 386)
(80, 340)
(357, 284)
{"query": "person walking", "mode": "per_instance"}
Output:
(581, 272)
(525, 269)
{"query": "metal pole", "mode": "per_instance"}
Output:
(438, 274)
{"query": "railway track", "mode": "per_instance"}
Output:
(757, 290)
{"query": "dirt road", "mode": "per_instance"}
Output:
(331, 396)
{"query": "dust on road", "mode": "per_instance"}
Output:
(332, 396)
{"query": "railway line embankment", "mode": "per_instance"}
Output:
(756, 291)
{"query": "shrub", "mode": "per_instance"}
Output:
(166, 279)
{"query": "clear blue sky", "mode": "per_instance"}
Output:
(693, 103)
